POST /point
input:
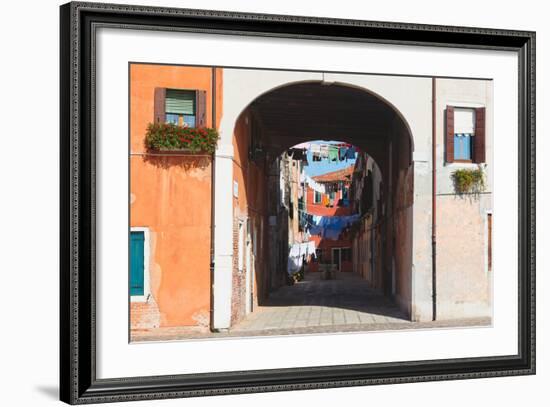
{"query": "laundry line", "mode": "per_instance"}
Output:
(298, 253)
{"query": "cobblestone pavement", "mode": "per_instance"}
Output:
(344, 300)
(344, 304)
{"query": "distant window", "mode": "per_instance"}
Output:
(346, 254)
(332, 198)
(345, 193)
(316, 197)
(463, 147)
(465, 135)
(181, 107)
(464, 131)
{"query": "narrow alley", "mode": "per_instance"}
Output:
(343, 303)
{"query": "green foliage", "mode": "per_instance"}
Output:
(469, 181)
(168, 136)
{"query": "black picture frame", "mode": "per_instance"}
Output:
(78, 382)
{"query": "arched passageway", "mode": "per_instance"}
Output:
(302, 112)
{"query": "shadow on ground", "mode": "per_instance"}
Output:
(347, 291)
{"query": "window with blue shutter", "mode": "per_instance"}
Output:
(180, 107)
(464, 128)
(137, 240)
(463, 146)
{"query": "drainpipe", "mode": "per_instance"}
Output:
(212, 201)
(434, 139)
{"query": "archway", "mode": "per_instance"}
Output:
(299, 112)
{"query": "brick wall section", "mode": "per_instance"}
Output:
(144, 315)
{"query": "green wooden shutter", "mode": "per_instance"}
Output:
(136, 263)
(180, 101)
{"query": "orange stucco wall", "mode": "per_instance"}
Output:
(171, 195)
(327, 244)
(322, 210)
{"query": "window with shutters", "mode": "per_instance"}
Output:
(463, 132)
(465, 135)
(180, 107)
(346, 254)
(316, 197)
(183, 107)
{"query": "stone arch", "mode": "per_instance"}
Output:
(311, 109)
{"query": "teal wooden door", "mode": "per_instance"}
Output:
(137, 240)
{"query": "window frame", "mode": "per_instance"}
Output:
(146, 257)
(464, 160)
(347, 249)
(315, 200)
(463, 105)
(180, 115)
(472, 142)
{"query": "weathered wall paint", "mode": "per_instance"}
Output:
(249, 206)
(464, 283)
(401, 262)
(171, 195)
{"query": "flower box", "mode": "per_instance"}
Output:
(168, 137)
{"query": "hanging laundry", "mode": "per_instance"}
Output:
(350, 153)
(342, 153)
(294, 264)
(332, 234)
(333, 153)
(296, 255)
(324, 151)
(316, 186)
(294, 250)
(307, 249)
(330, 227)
(303, 146)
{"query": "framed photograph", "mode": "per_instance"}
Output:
(255, 203)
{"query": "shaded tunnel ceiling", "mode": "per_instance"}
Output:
(309, 111)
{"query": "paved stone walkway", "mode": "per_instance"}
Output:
(344, 304)
(344, 300)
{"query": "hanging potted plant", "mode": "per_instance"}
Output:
(469, 181)
(171, 137)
